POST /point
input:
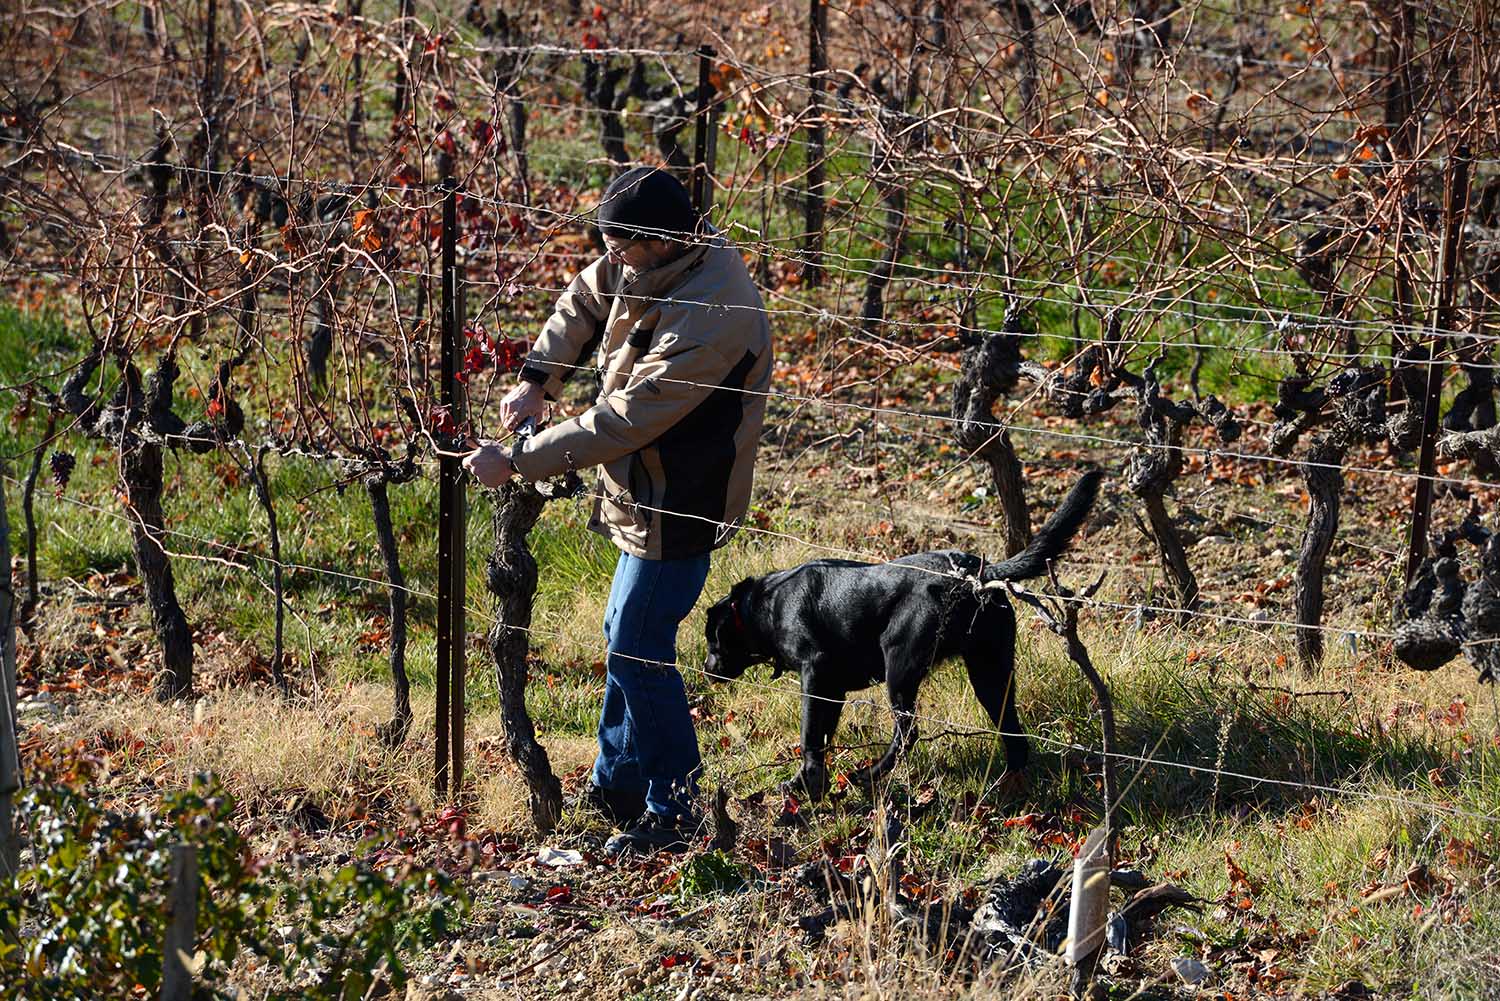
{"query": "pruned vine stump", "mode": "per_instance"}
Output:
(512, 580)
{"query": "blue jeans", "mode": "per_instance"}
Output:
(646, 739)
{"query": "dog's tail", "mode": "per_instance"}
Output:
(1054, 536)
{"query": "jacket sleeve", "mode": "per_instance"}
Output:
(675, 375)
(571, 334)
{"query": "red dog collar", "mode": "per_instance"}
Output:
(739, 623)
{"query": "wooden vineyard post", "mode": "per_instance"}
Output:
(177, 949)
(703, 141)
(452, 511)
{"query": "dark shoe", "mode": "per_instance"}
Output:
(653, 832)
(615, 805)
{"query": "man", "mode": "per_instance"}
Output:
(680, 333)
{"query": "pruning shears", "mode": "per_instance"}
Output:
(571, 484)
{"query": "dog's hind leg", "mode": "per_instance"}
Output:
(903, 709)
(820, 718)
(998, 697)
(991, 667)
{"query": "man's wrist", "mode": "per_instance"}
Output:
(515, 453)
(532, 375)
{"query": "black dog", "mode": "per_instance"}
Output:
(846, 625)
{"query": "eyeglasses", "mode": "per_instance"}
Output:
(619, 248)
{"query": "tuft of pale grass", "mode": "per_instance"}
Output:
(267, 751)
(500, 797)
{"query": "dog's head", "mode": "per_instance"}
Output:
(730, 646)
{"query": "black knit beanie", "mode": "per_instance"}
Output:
(647, 203)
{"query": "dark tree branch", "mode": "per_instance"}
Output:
(1059, 610)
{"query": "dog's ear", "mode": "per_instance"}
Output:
(723, 662)
(743, 592)
(713, 623)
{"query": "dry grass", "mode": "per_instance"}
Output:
(1211, 695)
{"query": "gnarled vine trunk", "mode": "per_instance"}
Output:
(1322, 472)
(1024, 18)
(28, 510)
(1174, 559)
(394, 731)
(141, 471)
(512, 578)
(601, 83)
(872, 309)
(1157, 463)
(988, 369)
(505, 34)
(262, 486)
(1151, 472)
(354, 132)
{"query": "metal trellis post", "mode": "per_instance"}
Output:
(817, 67)
(1442, 320)
(703, 140)
(449, 722)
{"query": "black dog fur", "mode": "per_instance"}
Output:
(845, 625)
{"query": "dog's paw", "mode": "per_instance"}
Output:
(1012, 785)
(808, 786)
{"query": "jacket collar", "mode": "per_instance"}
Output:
(650, 284)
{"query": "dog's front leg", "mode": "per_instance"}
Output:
(820, 717)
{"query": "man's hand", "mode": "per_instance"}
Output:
(490, 464)
(526, 400)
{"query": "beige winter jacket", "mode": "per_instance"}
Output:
(685, 352)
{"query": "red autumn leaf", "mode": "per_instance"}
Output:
(509, 353)
(444, 142)
(590, 41)
(1237, 876)
(475, 360)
